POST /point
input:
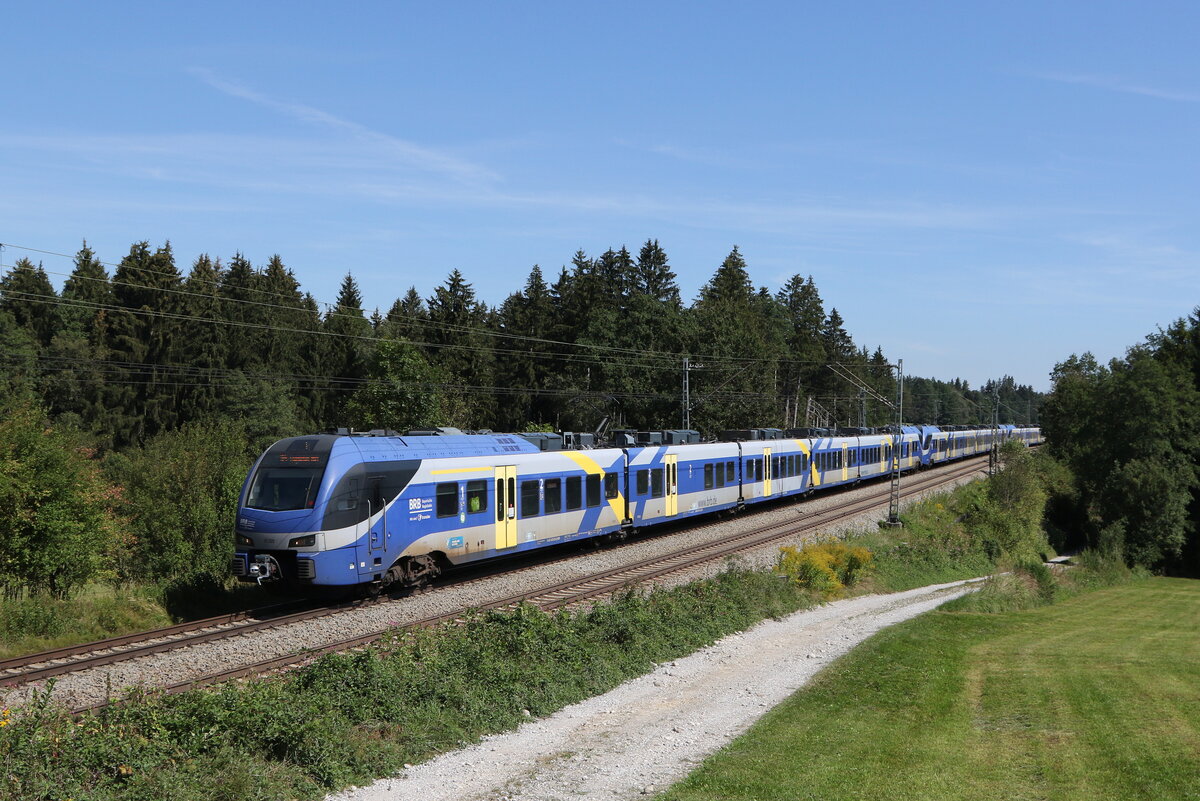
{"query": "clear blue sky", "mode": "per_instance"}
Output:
(1020, 180)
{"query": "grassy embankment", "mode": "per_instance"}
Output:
(99, 611)
(1094, 697)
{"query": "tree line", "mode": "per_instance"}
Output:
(1130, 433)
(150, 349)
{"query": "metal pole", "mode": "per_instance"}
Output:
(994, 452)
(897, 444)
(687, 397)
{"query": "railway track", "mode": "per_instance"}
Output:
(586, 589)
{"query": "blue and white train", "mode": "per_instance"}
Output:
(379, 509)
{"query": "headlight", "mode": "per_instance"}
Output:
(303, 542)
(241, 539)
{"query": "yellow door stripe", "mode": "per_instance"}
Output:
(814, 475)
(590, 467)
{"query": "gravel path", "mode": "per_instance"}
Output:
(94, 686)
(652, 731)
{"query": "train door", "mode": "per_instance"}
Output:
(378, 539)
(506, 507)
(671, 463)
(767, 472)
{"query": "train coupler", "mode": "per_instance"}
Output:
(264, 567)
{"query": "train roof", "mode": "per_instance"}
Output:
(375, 447)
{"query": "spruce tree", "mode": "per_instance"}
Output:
(74, 386)
(27, 294)
(143, 335)
(85, 291)
(240, 295)
(204, 342)
(348, 347)
(463, 350)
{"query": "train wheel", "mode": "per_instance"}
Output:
(414, 573)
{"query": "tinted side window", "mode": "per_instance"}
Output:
(720, 475)
(656, 482)
(529, 498)
(476, 496)
(730, 473)
(593, 489)
(447, 499)
(553, 495)
(643, 482)
(611, 489)
(708, 476)
(574, 492)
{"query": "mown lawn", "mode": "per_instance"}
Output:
(1097, 697)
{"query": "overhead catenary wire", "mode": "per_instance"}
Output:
(335, 383)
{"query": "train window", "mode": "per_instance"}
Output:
(530, 503)
(553, 495)
(708, 476)
(720, 475)
(574, 492)
(656, 482)
(758, 469)
(643, 482)
(730, 473)
(476, 496)
(447, 499)
(611, 488)
(593, 489)
(499, 500)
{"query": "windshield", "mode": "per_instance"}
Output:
(278, 489)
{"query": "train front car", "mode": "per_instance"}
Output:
(290, 526)
(361, 509)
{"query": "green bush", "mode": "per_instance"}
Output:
(824, 567)
(55, 518)
(180, 496)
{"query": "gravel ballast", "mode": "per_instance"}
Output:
(652, 731)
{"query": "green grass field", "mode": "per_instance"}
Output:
(1097, 697)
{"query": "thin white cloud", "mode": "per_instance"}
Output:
(1115, 84)
(326, 168)
(413, 154)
